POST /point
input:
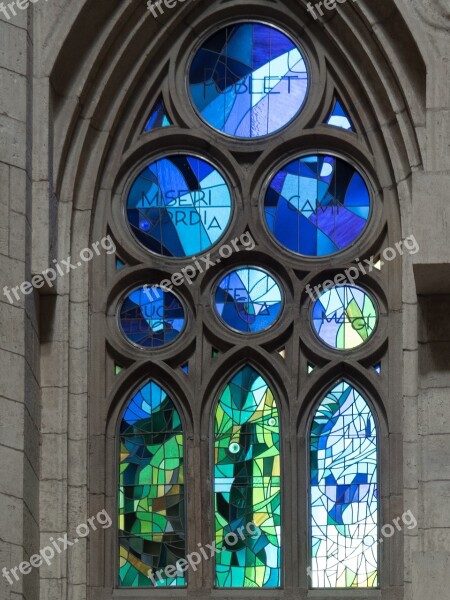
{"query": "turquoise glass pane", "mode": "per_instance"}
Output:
(179, 206)
(248, 80)
(248, 300)
(151, 491)
(317, 205)
(344, 317)
(247, 484)
(151, 317)
(344, 492)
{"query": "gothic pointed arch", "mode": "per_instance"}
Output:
(98, 104)
(247, 483)
(151, 495)
(344, 490)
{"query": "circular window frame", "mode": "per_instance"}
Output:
(135, 173)
(192, 52)
(355, 349)
(118, 304)
(222, 323)
(314, 261)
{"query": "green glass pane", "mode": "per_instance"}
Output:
(247, 484)
(151, 491)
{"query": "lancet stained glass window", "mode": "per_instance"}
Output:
(247, 483)
(179, 206)
(248, 300)
(248, 80)
(151, 490)
(317, 205)
(151, 317)
(344, 317)
(344, 492)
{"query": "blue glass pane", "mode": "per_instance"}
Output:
(317, 205)
(339, 117)
(344, 492)
(248, 80)
(248, 300)
(119, 264)
(151, 317)
(344, 317)
(179, 206)
(158, 117)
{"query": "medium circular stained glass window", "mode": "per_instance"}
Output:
(344, 317)
(248, 300)
(179, 206)
(151, 317)
(317, 205)
(248, 80)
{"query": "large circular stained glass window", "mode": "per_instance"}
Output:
(248, 80)
(179, 206)
(248, 300)
(317, 205)
(344, 317)
(151, 317)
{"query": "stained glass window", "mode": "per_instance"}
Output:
(248, 300)
(344, 492)
(248, 80)
(247, 486)
(317, 205)
(339, 117)
(151, 317)
(158, 117)
(344, 317)
(151, 490)
(179, 205)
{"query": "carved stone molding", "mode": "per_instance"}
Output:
(435, 12)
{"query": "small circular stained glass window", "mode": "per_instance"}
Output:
(151, 317)
(317, 205)
(248, 80)
(248, 300)
(179, 205)
(344, 317)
